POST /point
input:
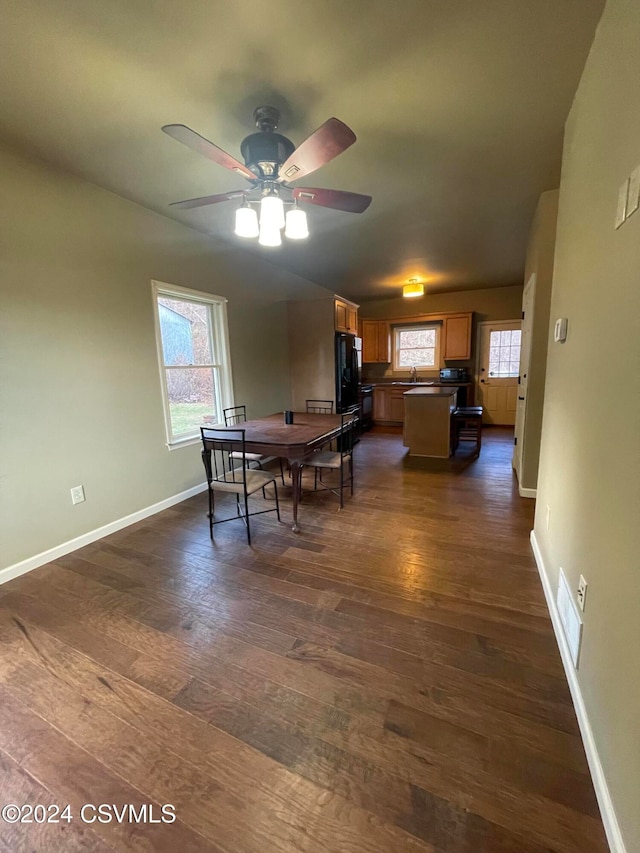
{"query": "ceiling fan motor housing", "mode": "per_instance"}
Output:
(267, 153)
(264, 151)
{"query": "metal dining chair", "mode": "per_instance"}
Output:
(340, 460)
(220, 448)
(320, 407)
(235, 415)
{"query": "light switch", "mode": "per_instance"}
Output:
(633, 193)
(560, 330)
(621, 210)
(77, 495)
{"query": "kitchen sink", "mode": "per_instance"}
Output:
(413, 384)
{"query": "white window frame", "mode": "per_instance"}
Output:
(417, 327)
(219, 334)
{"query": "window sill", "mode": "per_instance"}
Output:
(183, 442)
(177, 443)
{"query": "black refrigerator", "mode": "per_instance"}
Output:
(347, 372)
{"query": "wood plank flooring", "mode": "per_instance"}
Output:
(387, 680)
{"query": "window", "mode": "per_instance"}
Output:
(504, 353)
(416, 346)
(195, 371)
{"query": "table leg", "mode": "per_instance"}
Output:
(296, 484)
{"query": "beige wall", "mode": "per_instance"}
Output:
(590, 454)
(540, 253)
(491, 303)
(80, 390)
(312, 351)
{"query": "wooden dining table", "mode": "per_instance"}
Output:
(270, 436)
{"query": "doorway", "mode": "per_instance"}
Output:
(498, 370)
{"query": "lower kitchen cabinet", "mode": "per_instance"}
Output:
(388, 401)
(396, 404)
(388, 404)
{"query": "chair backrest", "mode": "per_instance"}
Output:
(217, 447)
(234, 415)
(320, 407)
(348, 430)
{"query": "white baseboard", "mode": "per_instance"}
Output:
(527, 493)
(37, 560)
(607, 811)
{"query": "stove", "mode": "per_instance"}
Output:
(366, 407)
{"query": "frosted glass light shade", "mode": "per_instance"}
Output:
(269, 234)
(412, 290)
(272, 212)
(297, 228)
(247, 222)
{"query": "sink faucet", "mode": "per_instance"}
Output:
(414, 374)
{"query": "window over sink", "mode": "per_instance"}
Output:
(416, 347)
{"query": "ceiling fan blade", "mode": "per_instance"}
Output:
(330, 139)
(206, 199)
(202, 146)
(336, 199)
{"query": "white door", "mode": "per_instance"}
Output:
(525, 352)
(499, 363)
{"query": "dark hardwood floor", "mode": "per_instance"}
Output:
(387, 680)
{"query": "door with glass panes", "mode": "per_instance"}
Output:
(498, 366)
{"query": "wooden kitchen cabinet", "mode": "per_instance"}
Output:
(388, 404)
(375, 341)
(456, 332)
(346, 316)
(396, 404)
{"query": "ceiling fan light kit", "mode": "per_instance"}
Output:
(296, 228)
(271, 161)
(246, 222)
(272, 212)
(269, 235)
(413, 289)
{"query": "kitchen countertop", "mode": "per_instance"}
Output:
(428, 384)
(432, 391)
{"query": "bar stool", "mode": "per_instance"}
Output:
(467, 426)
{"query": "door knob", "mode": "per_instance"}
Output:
(520, 398)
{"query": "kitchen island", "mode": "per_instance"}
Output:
(427, 420)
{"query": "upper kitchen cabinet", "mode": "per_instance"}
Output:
(346, 316)
(456, 332)
(375, 341)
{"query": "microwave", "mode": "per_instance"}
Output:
(454, 374)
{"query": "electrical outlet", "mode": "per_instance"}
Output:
(582, 592)
(77, 495)
(548, 516)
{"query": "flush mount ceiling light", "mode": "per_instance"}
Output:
(271, 161)
(413, 289)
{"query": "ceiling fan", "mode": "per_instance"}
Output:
(271, 162)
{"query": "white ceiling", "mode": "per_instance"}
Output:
(458, 105)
